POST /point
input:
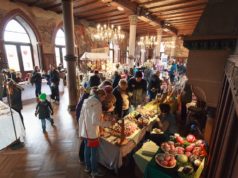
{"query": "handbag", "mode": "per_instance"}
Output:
(91, 142)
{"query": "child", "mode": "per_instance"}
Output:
(44, 109)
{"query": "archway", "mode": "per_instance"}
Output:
(21, 40)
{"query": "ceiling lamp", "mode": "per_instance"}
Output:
(148, 41)
(108, 33)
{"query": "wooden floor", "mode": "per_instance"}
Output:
(54, 155)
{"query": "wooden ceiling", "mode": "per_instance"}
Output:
(174, 16)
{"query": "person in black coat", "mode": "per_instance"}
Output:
(116, 79)
(37, 80)
(94, 80)
(154, 85)
(44, 109)
(122, 99)
(137, 88)
(15, 100)
(54, 80)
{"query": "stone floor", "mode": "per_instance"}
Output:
(53, 155)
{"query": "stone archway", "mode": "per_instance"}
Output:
(31, 29)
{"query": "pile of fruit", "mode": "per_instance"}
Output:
(165, 160)
(188, 152)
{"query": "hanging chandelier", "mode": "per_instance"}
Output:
(108, 33)
(148, 41)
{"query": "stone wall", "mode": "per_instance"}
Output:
(45, 25)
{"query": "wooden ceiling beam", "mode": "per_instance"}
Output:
(103, 15)
(183, 18)
(95, 11)
(193, 3)
(183, 10)
(182, 14)
(50, 4)
(113, 17)
(114, 21)
(140, 11)
(88, 7)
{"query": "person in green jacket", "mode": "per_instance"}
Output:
(44, 109)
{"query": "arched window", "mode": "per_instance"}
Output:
(60, 48)
(18, 47)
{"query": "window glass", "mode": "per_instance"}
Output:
(26, 58)
(57, 55)
(14, 32)
(63, 55)
(12, 57)
(60, 38)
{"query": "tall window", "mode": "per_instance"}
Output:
(60, 48)
(18, 47)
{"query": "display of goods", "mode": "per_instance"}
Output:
(165, 160)
(143, 121)
(129, 128)
(182, 158)
(191, 138)
(168, 147)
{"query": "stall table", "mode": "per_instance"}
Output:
(111, 154)
(7, 135)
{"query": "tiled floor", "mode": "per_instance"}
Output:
(54, 155)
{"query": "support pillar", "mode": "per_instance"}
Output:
(132, 40)
(173, 46)
(70, 57)
(157, 47)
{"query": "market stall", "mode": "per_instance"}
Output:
(178, 157)
(120, 139)
(7, 133)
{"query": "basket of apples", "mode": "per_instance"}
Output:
(165, 160)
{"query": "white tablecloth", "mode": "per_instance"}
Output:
(7, 135)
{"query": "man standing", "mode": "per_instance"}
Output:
(37, 80)
(94, 80)
(137, 88)
(54, 80)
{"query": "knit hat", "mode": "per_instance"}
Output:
(42, 96)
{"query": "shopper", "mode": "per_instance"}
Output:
(14, 92)
(89, 122)
(37, 80)
(116, 79)
(54, 81)
(44, 109)
(137, 88)
(186, 97)
(122, 99)
(154, 86)
(83, 97)
(108, 104)
(94, 79)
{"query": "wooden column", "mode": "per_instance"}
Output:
(173, 46)
(157, 47)
(70, 53)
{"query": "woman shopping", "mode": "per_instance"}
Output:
(89, 123)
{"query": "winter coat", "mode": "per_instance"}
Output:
(44, 109)
(80, 104)
(90, 118)
(15, 99)
(154, 84)
(54, 77)
(94, 81)
(36, 78)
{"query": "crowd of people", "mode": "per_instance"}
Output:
(102, 100)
